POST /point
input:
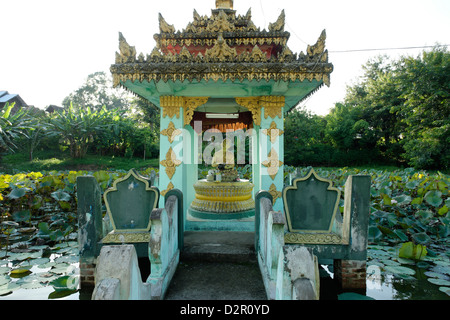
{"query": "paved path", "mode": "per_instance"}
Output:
(217, 265)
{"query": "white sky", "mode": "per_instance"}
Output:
(49, 47)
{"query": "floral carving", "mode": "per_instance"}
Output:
(273, 132)
(272, 163)
(170, 186)
(275, 194)
(171, 162)
(171, 132)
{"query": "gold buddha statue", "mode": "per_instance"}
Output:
(230, 197)
(223, 160)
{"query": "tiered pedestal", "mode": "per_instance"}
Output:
(223, 200)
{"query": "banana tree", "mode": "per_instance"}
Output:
(77, 127)
(12, 126)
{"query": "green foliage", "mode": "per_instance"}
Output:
(413, 251)
(97, 92)
(398, 112)
(12, 127)
(77, 127)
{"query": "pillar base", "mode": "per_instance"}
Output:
(351, 274)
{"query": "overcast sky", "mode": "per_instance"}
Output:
(49, 47)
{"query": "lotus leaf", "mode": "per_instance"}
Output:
(421, 238)
(4, 279)
(439, 282)
(353, 296)
(445, 290)
(401, 235)
(399, 270)
(31, 285)
(17, 193)
(20, 216)
(402, 200)
(410, 250)
(61, 294)
(8, 288)
(433, 197)
(65, 283)
(60, 195)
(4, 270)
(21, 270)
(437, 275)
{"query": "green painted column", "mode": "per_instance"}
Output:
(271, 145)
(170, 145)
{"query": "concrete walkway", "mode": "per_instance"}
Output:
(217, 265)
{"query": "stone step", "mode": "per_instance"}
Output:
(217, 246)
(217, 265)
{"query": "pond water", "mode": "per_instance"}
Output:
(43, 272)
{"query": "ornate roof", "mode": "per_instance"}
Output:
(223, 46)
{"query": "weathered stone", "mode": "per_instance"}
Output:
(119, 262)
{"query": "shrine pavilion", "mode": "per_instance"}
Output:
(222, 73)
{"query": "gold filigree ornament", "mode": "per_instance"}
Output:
(253, 105)
(171, 162)
(190, 104)
(171, 105)
(170, 186)
(274, 192)
(171, 132)
(221, 51)
(272, 163)
(273, 106)
(273, 132)
(220, 24)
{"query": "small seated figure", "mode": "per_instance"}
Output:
(223, 160)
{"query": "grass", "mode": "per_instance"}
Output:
(47, 161)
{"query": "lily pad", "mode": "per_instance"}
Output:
(65, 283)
(61, 294)
(17, 193)
(39, 261)
(21, 270)
(61, 268)
(433, 197)
(445, 290)
(399, 270)
(436, 275)
(8, 288)
(47, 265)
(60, 195)
(353, 296)
(31, 285)
(4, 279)
(439, 282)
(4, 270)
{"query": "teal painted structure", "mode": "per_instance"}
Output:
(321, 229)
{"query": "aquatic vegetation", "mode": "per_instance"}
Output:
(408, 230)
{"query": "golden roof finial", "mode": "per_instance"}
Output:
(224, 4)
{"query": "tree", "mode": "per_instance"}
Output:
(425, 87)
(12, 127)
(303, 133)
(97, 92)
(377, 97)
(77, 127)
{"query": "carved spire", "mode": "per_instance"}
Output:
(279, 24)
(127, 52)
(319, 47)
(164, 26)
